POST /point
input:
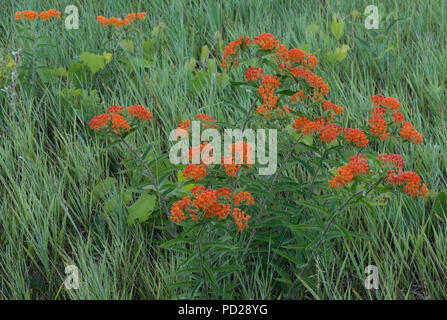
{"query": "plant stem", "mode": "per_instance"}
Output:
(326, 229)
(160, 197)
(271, 186)
(199, 239)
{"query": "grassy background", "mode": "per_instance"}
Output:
(49, 161)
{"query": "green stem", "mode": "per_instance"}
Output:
(199, 248)
(160, 197)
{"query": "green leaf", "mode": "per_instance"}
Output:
(127, 45)
(95, 62)
(337, 27)
(103, 187)
(141, 210)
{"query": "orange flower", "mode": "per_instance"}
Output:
(395, 160)
(184, 125)
(114, 109)
(356, 136)
(18, 15)
(253, 73)
(389, 102)
(316, 82)
(209, 203)
(113, 20)
(119, 123)
(297, 96)
(408, 132)
(331, 106)
(139, 112)
(239, 153)
(131, 16)
(141, 15)
(266, 92)
(231, 53)
(410, 180)
(100, 121)
(207, 119)
(378, 124)
(44, 16)
(398, 117)
(357, 166)
(266, 41)
(195, 171)
(330, 132)
(30, 15)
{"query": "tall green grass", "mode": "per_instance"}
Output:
(50, 161)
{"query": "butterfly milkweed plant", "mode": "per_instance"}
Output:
(223, 218)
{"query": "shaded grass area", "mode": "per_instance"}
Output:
(50, 162)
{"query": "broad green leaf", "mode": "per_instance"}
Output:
(337, 27)
(141, 210)
(95, 62)
(103, 187)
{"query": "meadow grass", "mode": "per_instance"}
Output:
(50, 161)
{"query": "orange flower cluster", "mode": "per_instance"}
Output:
(31, 15)
(331, 106)
(231, 51)
(209, 203)
(389, 102)
(316, 82)
(378, 124)
(194, 170)
(408, 132)
(266, 41)
(357, 166)
(253, 73)
(269, 83)
(287, 58)
(410, 180)
(140, 112)
(357, 137)
(239, 153)
(395, 160)
(121, 22)
(114, 116)
(328, 131)
(299, 96)
(205, 119)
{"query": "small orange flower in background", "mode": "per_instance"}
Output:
(141, 15)
(30, 15)
(357, 166)
(357, 137)
(18, 15)
(206, 122)
(209, 203)
(120, 22)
